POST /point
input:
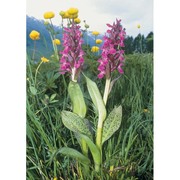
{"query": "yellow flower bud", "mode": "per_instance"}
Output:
(57, 41)
(77, 20)
(62, 13)
(43, 59)
(94, 49)
(95, 33)
(98, 41)
(48, 15)
(86, 26)
(34, 35)
(66, 15)
(138, 26)
(72, 11)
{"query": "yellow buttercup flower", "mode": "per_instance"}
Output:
(45, 60)
(55, 178)
(95, 33)
(95, 49)
(34, 35)
(72, 11)
(138, 26)
(77, 20)
(49, 15)
(57, 41)
(98, 41)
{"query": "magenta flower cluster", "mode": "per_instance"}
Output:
(72, 54)
(112, 57)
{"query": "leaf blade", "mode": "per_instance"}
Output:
(75, 123)
(93, 148)
(112, 123)
(96, 98)
(74, 154)
(77, 99)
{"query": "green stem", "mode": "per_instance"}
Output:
(37, 72)
(99, 142)
(53, 37)
(34, 50)
(101, 120)
(106, 90)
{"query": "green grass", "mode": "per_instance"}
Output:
(129, 152)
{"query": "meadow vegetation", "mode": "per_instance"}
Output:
(126, 155)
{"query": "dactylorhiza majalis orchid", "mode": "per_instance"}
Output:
(112, 57)
(76, 120)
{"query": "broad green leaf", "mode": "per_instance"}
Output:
(77, 99)
(52, 97)
(93, 148)
(96, 98)
(74, 154)
(75, 123)
(112, 123)
(33, 90)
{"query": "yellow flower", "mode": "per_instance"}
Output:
(57, 41)
(34, 35)
(138, 26)
(74, 16)
(72, 11)
(66, 15)
(95, 49)
(43, 59)
(77, 20)
(55, 178)
(95, 33)
(98, 41)
(48, 15)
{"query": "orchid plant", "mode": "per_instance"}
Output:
(71, 62)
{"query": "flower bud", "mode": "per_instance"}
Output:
(86, 26)
(62, 13)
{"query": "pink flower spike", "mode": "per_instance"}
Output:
(112, 57)
(72, 56)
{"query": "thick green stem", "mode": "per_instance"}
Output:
(99, 142)
(106, 90)
(101, 120)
